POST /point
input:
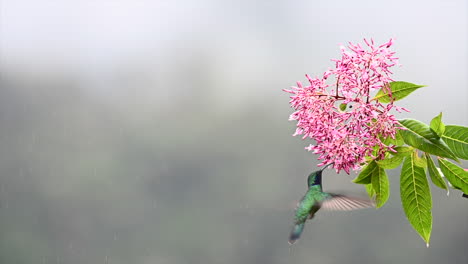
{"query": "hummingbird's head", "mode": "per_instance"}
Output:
(315, 178)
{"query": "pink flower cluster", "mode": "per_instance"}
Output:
(347, 137)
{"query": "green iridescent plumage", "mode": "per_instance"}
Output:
(315, 198)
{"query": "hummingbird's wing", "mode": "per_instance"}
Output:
(338, 202)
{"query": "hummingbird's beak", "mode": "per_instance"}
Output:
(327, 166)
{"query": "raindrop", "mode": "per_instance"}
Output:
(115, 236)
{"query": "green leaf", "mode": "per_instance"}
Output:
(391, 163)
(375, 150)
(456, 175)
(419, 161)
(343, 107)
(365, 176)
(456, 138)
(380, 186)
(420, 136)
(416, 198)
(403, 151)
(370, 191)
(436, 178)
(437, 126)
(399, 91)
(397, 141)
(399, 138)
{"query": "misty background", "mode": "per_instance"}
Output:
(157, 131)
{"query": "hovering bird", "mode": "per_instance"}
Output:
(315, 199)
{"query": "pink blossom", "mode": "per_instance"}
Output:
(346, 138)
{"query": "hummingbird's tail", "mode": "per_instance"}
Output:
(296, 232)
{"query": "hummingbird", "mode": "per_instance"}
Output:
(315, 198)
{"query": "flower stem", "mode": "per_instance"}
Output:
(337, 81)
